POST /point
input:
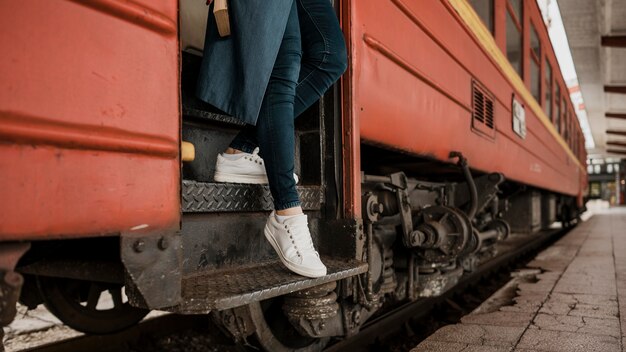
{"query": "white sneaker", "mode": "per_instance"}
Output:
(248, 168)
(292, 242)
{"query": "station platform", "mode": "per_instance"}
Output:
(571, 298)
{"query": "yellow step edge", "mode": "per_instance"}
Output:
(187, 151)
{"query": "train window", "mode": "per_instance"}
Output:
(535, 45)
(564, 112)
(574, 132)
(565, 123)
(571, 130)
(557, 120)
(572, 135)
(548, 90)
(516, 5)
(514, 41)
(484, 9)
(535, 80)
(535, 62)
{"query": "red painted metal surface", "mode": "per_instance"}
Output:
(89, 117)
(351, 148)
(411, 79)
(89, 108)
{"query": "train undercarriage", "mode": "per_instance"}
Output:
(419, 241)
(421, 237)
(418, 237)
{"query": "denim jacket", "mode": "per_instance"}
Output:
(235, 70)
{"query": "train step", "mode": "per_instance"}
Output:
(206, 197)
(229, 288)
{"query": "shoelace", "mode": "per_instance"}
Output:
(301, 243)
(255, 157)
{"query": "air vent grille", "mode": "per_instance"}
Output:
(483, 111)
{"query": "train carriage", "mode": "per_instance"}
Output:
(451, 129)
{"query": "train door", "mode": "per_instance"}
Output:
(228, 265)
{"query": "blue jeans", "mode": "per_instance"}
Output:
(312, 56)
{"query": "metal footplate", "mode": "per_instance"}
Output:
(231, 197)
(223, 289)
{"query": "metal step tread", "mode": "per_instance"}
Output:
(223, 289)
(231, 197)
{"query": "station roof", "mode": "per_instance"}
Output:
(596, 31)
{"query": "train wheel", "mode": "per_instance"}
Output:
(80, 305)
(275, 333)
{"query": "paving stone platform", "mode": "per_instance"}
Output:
(571, 298)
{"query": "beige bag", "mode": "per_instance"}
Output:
(220, 11)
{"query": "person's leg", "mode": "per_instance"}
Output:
(275, 125)
(287, 229)
(274, 132)
(324, 57)
(324, 60)
(245, 141)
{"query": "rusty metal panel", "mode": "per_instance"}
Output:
(229, 197)
(89, 117)
(223, 289)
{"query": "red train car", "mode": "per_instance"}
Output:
(426, 91)
(451, 129)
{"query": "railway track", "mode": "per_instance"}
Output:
(197, 333)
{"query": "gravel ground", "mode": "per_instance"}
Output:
(197, 340)
(37, 327)
(33, 328)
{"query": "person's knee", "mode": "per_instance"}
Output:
(287, 68)
(337, 61)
